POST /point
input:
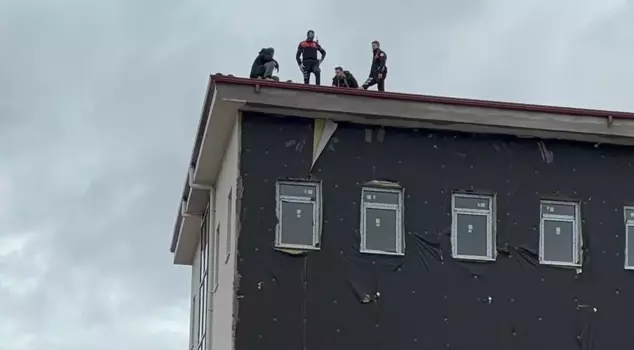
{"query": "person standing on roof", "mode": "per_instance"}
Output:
(264, 64)
(307, 59)
(378, 70)
(344, 78)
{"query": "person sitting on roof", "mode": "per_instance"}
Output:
(264, 64)
(344, 78)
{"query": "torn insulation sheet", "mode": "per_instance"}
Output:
(323, 131)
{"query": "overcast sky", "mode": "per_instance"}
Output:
(99, 102)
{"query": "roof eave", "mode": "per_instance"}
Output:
(226, 96)
(214, 132)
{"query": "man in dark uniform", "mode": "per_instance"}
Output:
(378, 70)
(344, 78)
(307, 59)
(264, 64)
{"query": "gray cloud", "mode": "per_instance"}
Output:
(99, 103)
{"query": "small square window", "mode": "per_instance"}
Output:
(473, 227)
(560, 234)
(299, 215)
(629, 238)
(382, 221)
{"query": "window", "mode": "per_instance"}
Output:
(229, 227)
(299, 215)
(629, 238)
(473, 227)
(382, 221)
(203, 280)
(560, 234)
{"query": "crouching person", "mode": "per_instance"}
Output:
(264, 65)
(344, 78)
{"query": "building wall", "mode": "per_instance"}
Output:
(222, 256)
(223, 296)
(338, 298)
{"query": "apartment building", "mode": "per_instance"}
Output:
(329, 218)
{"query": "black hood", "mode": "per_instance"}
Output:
(268, 50)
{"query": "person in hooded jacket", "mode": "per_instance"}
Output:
(264, 65)
(344, 78)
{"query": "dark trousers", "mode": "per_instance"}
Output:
(311, 66)
(374, 80)
(264, 71)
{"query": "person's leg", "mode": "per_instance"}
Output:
(258, 72)
(369, 82)
(381, 82)
(308, 68)
(268, 69)
(317, 72)
(381, 85)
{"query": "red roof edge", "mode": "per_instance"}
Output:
(219, 78)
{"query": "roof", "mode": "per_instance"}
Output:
(398, 96)
(227, 95)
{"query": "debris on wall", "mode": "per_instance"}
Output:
(547, 155)
(369, 134)
(380, 134)
(298, 146)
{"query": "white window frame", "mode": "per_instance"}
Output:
(317, 213)
(398, 208)
(629, 224)
(576, 232)
(491, 226)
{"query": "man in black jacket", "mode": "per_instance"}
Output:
(264, 64)
(378, 70)
(307, 59)
(344, 78)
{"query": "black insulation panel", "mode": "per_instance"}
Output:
(338, 298)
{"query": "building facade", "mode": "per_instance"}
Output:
(325, 220)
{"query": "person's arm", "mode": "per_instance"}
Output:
(382, 61)
(298, 55)
(353, 81)
(323, 53)
(334, 81)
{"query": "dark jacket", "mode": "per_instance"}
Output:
(379, 60)
(265, 55)
(347, 80)
(307, 51)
